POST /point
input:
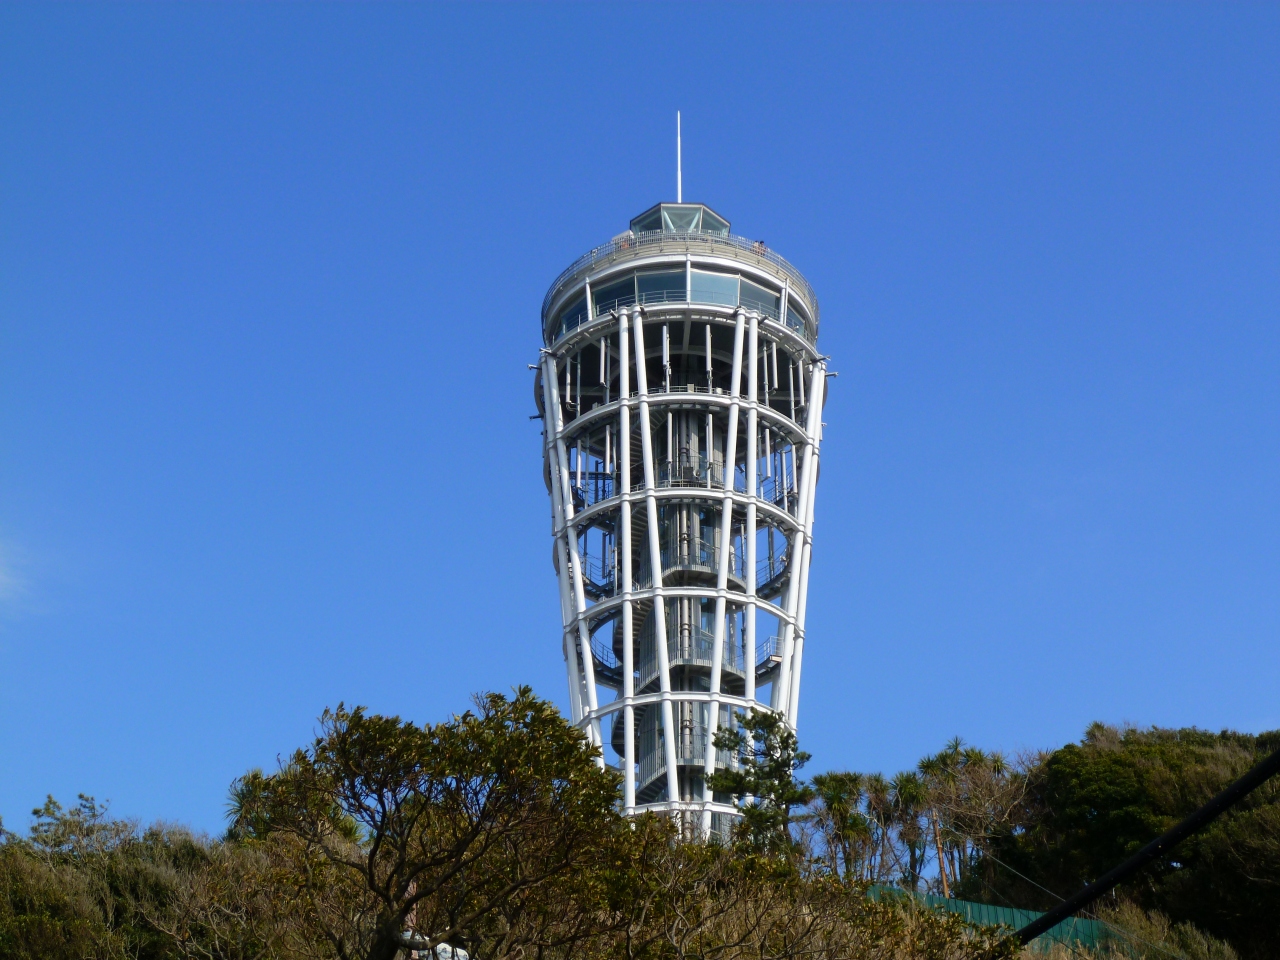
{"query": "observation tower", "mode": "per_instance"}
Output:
(681, 393)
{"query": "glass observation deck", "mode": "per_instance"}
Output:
(688, 256)
(681, 218)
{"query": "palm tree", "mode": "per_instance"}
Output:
(908, 797)
(880, 820)
(839, 818)
(936, 772)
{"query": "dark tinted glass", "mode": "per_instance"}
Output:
(754, 297)
(794, 320)
(619, 294)
(713, 224)
(574, 315)
(650, 221)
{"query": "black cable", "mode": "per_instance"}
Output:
(1126, 934)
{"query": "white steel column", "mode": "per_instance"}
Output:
(753, 426)
(722, 574)
(782, 689)
(818, 394)
(628, 605)
(553, 421)
(579, 598)
(655, 562)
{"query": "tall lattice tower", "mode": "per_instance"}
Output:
(681, 392)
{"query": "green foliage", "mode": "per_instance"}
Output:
(46, 912)
(83, 884)
(764, 778)
(887, 830)
(1150, 934)
(457, 830)
(497, 831)
(1092, 804)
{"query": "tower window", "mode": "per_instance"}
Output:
(575, 315)
(666, 287)
(794, 320)
(619, 294)
(755, 297)
(714, 288)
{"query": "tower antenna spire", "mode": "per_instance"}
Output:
(679, 174)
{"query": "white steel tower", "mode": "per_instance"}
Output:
(681, 394)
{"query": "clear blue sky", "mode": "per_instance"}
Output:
(270, 276)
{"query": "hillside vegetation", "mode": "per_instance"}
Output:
(498, 833)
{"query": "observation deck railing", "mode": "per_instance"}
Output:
(658, 242)
(603, 309)
(655, 297)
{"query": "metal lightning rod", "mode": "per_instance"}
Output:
(679, 174)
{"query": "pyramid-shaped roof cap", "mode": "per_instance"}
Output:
(681, 218)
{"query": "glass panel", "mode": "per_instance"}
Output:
(621, 293)
(713, 224)
(681, 219)
(574, 315)
(794, 320)
(648, 221)
(758, 298)
(667, 287)
(714, 288)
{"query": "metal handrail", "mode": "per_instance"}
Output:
(599, 574)
(766, 649)
(663, 296)
(698, 651)
(684, 242)
(697, 554)
(733, 658)
(597, 485)
(604, 653)
(677, 387)
(608, 305)
(768, 570)
(691, 748)
(686, 471)
(778, 491)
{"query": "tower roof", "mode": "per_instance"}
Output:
(681, 218)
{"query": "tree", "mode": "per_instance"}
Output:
(764, 779)
(402, 837)
(85, 884)
(909, 800)
(497, 831)
(1092, 804)
(843, 830)
(48, 913)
